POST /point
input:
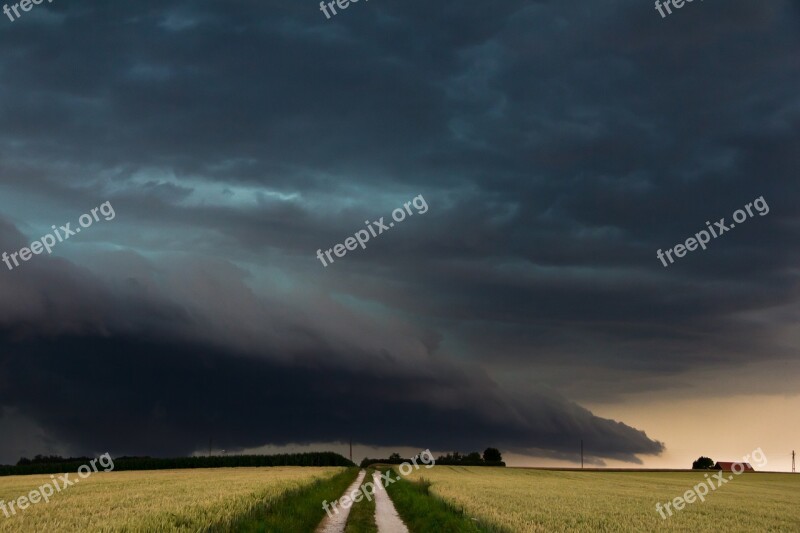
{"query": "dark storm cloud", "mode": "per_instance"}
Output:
(131, 396)
(558, 146)
(76, 351)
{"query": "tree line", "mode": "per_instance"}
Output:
(490, 457)
(53, 464)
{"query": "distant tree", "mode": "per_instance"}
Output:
(703, 463)
(395, 457)
(474, 457)
(492, 455)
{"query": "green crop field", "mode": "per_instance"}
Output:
(528, 500)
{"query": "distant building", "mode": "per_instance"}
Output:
(728, 467)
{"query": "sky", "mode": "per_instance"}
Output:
(545, 152)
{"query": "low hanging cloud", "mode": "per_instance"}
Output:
(98, 365)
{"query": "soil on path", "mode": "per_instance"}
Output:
(336, 522)
(386, 517)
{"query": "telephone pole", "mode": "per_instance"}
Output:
(792, 461)
(581, 453)
(351, 450)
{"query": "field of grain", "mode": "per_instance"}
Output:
(536, 501)
(162, 500)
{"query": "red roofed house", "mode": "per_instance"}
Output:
(728, 467)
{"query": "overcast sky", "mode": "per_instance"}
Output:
(557, 145)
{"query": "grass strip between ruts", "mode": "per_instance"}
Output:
(362, 514)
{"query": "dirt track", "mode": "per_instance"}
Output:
(386, 517)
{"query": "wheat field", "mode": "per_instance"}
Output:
(161, 500)
(527, 500)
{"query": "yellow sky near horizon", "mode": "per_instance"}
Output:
(725, 429)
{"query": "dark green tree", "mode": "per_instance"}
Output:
(492, 455)
(703, 463)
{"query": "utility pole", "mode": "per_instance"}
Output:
(581, 454)
(351, 450)
(792, 461)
